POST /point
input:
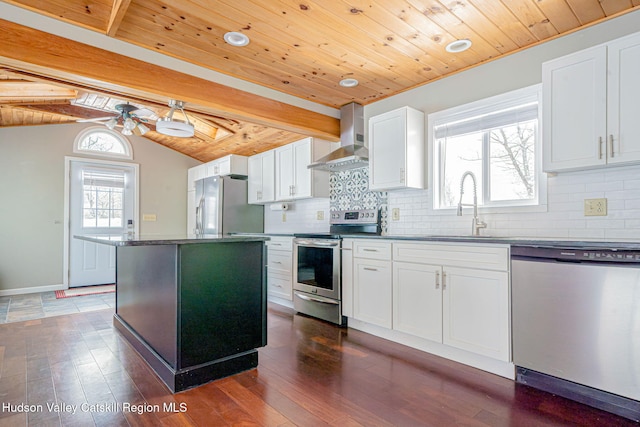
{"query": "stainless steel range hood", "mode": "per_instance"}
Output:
(352, 153)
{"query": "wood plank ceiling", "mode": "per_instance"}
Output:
(306, 47)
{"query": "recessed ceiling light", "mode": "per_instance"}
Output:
(235, 38)
(458, 46)
(349, 83)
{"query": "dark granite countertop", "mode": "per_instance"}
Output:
(555, 242)
(171, 240)
(513, 241)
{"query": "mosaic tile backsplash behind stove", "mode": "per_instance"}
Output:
(350, 190)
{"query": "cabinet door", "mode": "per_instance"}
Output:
(387, 149)
(476, 311)
(194, 174)
(623, 93)
(284, 172)
(269, 176)
(347, 277)
(574, 110)
(372, 291)
(254, 180)
(261, 178)
(417, 300)
(302, 185)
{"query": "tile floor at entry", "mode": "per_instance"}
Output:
(18, 308)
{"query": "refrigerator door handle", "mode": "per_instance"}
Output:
(199, 217)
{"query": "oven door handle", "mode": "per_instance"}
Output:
(308, 298)
(315, 243)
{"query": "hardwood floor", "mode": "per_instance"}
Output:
(310, 374)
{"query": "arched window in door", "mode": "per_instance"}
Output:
(100, 141)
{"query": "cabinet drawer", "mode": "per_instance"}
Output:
(481, 256)
(279, 261)
(280, 286)
(281, 243)
(372, 250)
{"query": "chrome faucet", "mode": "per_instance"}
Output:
(476, 225)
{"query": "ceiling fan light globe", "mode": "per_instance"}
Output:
(142, 128)
(111, 123)
(175, 128)
(129, 124)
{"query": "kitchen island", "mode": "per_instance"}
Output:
(194, 308)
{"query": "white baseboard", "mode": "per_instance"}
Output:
(31, 290)
(497, 367)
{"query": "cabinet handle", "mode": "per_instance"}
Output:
(369, 250)
(600, 147)
(259, 195)
(437, 279)
(276, 262)
(293, 190)
(444, 280)
(370, 269)
(402, 174)
(611, 145)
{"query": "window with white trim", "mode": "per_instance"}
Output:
(498, 140)
(102, 142)
(102, 195)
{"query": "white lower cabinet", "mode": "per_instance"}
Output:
(417, 300)
(372, 291)
(452, 295)
(475, 311)
(280, 267)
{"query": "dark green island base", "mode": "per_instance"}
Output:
(195, 309)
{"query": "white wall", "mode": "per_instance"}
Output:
(566, 192)
(300, 217)
(32, 206)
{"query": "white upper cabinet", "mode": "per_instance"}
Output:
(261, 181)
(396, 150)
(590, 107)
(194, 174)
(293, 179)
(227, 165)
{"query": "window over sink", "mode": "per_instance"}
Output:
(498, 140)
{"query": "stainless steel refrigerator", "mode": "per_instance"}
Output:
(222, 208)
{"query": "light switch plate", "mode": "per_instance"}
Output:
(395, 214)
(595, 207)
(320, 215)
(149, 217)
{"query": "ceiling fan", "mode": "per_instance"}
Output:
(129, 117)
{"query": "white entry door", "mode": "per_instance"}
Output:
(101, 203)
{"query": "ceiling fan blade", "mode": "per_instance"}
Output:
(96, 119)
(143, 112)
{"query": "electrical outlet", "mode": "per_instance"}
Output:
(320, 215)
(595, 207)
(395, 214)
(149, 217)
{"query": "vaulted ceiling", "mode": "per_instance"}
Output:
(302, 48)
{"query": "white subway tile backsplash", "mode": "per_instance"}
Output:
(562, 218)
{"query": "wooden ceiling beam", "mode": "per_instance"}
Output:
(118, 11)
(12, 90)
(36, 51)
(69, 110)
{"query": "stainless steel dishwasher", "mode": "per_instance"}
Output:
(576, 324)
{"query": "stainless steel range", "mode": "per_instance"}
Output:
(317, 289)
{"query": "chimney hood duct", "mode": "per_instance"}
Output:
(352, 153)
